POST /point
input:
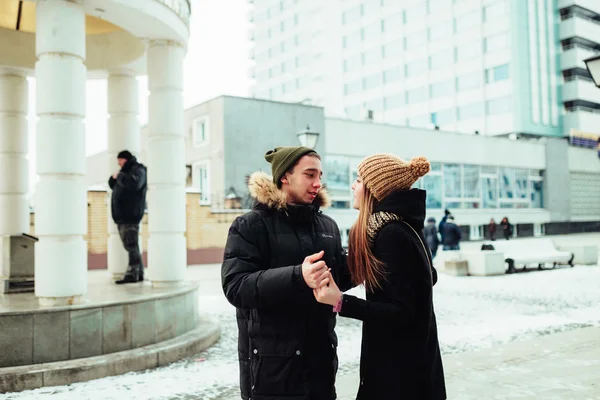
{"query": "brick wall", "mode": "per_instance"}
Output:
(206, 230)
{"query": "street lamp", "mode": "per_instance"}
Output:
(593, 67)
(308, 139)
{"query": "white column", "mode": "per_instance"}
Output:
(61, 196)
(123, 134)
(167, 254)
(14, 207)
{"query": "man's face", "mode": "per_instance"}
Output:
(121, 162)
(304, 183)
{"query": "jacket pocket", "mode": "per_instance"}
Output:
(277, 368)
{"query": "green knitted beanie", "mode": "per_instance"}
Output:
(284, 158)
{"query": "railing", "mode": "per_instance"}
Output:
(182, 8)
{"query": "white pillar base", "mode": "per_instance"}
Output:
(61, 301)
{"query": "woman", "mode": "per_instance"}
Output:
(506, 228)
(400, 356)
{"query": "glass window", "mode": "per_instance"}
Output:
(353, 87)
(498, 106)
(436, 167)
(440, 30)
(372, 56)
(372, 32)
(392, 75)
(372, 81)
(452, 185)
(471, 181)
(416, 67)
(340, 204)
(432, 184)
(393, 49)
(495, 42)
(393, 22)
(203, 181)
(415, 40)
(353, 63)
(337, 173)
(371, 6)
(469, 111)
(489, 186)
(537, 194)
(416, 95)
(394, 101)
(468, 50)
(521, 183)
(507, 183)
(443, 59)
(302, 82)
(444, 117)
(468, 20)
(289, 86)
(288, 66)
(352, 40)
(415, 13)
(444, 88)
(494, 10)
(470, 81)
(351, 15)
(496, 74)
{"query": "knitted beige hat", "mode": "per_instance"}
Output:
(383, 174)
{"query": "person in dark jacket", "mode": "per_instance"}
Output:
(452, 235)
(400, 354)
(275, 255)
(507, 228)
(492, 229)
(128, 204)
(443, 222)
(431, 236)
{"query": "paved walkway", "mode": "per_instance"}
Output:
(563, 365)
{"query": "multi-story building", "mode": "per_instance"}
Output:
(488, 66)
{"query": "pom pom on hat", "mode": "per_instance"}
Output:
(383, 174)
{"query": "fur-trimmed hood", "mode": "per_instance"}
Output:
(264, 191)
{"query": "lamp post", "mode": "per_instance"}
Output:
(308, 138)
(593, 67)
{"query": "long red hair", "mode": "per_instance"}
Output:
(363, 265)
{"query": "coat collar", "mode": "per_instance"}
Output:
(264, 191)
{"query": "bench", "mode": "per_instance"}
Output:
(531, 251)
(584, 254)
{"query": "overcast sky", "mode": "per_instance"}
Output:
(216, 63)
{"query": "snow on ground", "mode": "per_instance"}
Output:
(472, 313)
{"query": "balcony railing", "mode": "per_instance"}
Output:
(182, 8)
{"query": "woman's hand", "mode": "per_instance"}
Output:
(328, 292)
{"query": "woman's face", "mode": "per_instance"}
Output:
(357, 187)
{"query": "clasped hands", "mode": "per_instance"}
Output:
(318, 277)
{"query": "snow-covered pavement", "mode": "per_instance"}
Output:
(472, 313)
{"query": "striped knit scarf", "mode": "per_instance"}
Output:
(377, 221)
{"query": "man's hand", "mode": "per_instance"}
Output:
(115, 175)
(314, 271)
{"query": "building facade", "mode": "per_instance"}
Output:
(543, 185)
(494, 67)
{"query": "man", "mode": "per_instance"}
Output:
(431, 236)
(275, 256)
(452, 235)
(442, 223)
(128, 203)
